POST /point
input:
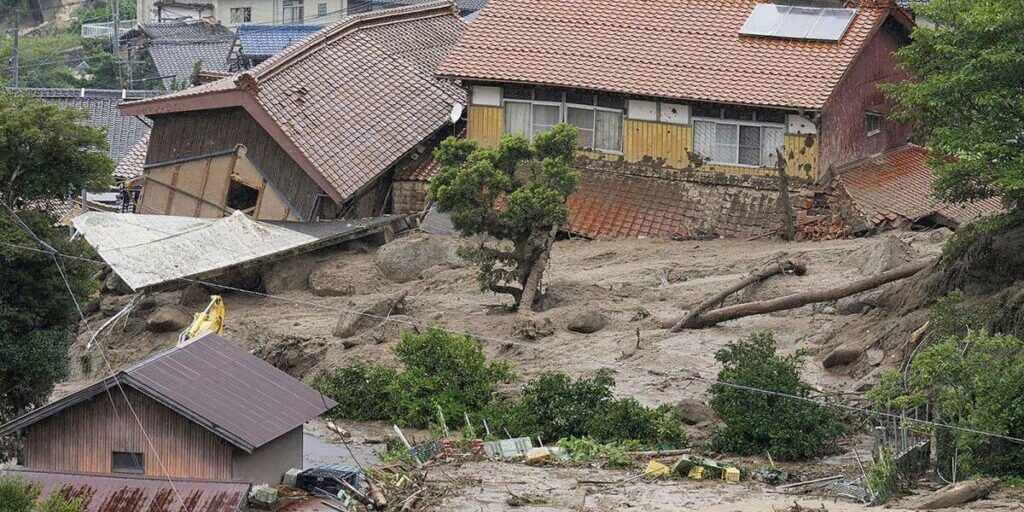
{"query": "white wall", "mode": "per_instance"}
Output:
(263, 11)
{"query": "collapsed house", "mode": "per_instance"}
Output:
(316, 132)
(687, 114)
(176, 49)
(196, 407)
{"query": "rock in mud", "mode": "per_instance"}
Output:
(531, 329)
(841, 356)
(875, 356)
(350, 324)
(405, 259)
(168, 318)
(851, 305)
(288, 274)
(111, 304)
(588, 322)
(115, 284)
(694, 412)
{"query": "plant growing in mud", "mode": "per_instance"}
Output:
(789, 428)
(514, 193)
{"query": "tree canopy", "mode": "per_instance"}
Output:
(515, 192)
(44, 151)
(967, 99)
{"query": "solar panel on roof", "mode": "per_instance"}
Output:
(797, 22)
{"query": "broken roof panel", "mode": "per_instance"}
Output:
(679, 49)
(175, 61)
(147, 250)
(897, 184)
(215, 383)
(349, 101)
(101, 105)
(105, 493)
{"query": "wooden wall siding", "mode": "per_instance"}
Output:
(193, 134)
(83, 437)
(647, 139)
(199, 188)
(485, 125)
(669, 143)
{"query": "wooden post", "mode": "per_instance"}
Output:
(788, 231)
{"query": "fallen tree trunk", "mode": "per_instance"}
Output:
(954, 494)
(803, 298)
(779, 267)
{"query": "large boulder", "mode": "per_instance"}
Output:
(841, 356)
(350, 324)
(169, 318)
(588, 322)
(405, 259)
(288, 274)
(954, 494)
(694, 412)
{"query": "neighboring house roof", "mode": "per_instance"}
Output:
(101, 105)
(348, 102)
(464, 6)
(130, 165)
(263, 41)
(895, 187)
(148, 250)
(215, 383)
(136, 493)
(676, 49)
(176, 46)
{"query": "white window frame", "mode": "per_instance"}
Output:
(735, 122)
(246, 12)
(868, 115)
(289, 8)
(563, 116)
(321, 9)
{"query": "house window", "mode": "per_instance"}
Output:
(533, 112)
(128, 462)
(873, 122)
(242, 197)
(737, 143)
(292, 11)
(321, 10)
(241, 15)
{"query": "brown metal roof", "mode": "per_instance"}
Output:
(215, 383)
(350, 100)
(680, 49)
(117, 493)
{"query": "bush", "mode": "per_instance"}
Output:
(586, 449)
(441, 369)
(788, 428)
(553, 406)
(16, 495)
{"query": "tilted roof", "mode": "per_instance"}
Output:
(216, 384)
(185, 30)
(101, 105)
(131, 163)
(896, 185)
(175, 61)
(348, 101)
(676, 49)
(137, 493)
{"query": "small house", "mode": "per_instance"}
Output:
(315, 132)
(685, 107)
(206, 410)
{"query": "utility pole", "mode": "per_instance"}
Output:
(17, 45)
(116, 44)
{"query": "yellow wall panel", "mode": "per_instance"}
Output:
(658, 141)
(485, 125)
(801, 152)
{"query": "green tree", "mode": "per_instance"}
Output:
(789, 428)
(44, 151)
(515, 193)
(967, 99)
(16, 495)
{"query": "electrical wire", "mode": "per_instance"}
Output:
(689, 375)
(74, 298)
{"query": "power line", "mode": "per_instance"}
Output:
(60, 268)
(690, 375)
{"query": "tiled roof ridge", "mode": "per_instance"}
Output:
(76, 92)
(329, 33)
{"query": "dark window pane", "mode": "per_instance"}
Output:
(548, 94)
(517, 92)
(707, 110)
(611, 102)
(128, 462)
(579, 98)
(739, 113)
(750, 156)
(771, 116)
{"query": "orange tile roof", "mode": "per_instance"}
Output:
(348, 101)
(896, 186)
(680, 49)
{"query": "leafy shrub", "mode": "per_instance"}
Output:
(586, 449)
(788, 428)
(441, 369)
(363, 392)
(553, 406)
(16, 495)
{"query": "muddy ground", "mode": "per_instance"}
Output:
(641, 286)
